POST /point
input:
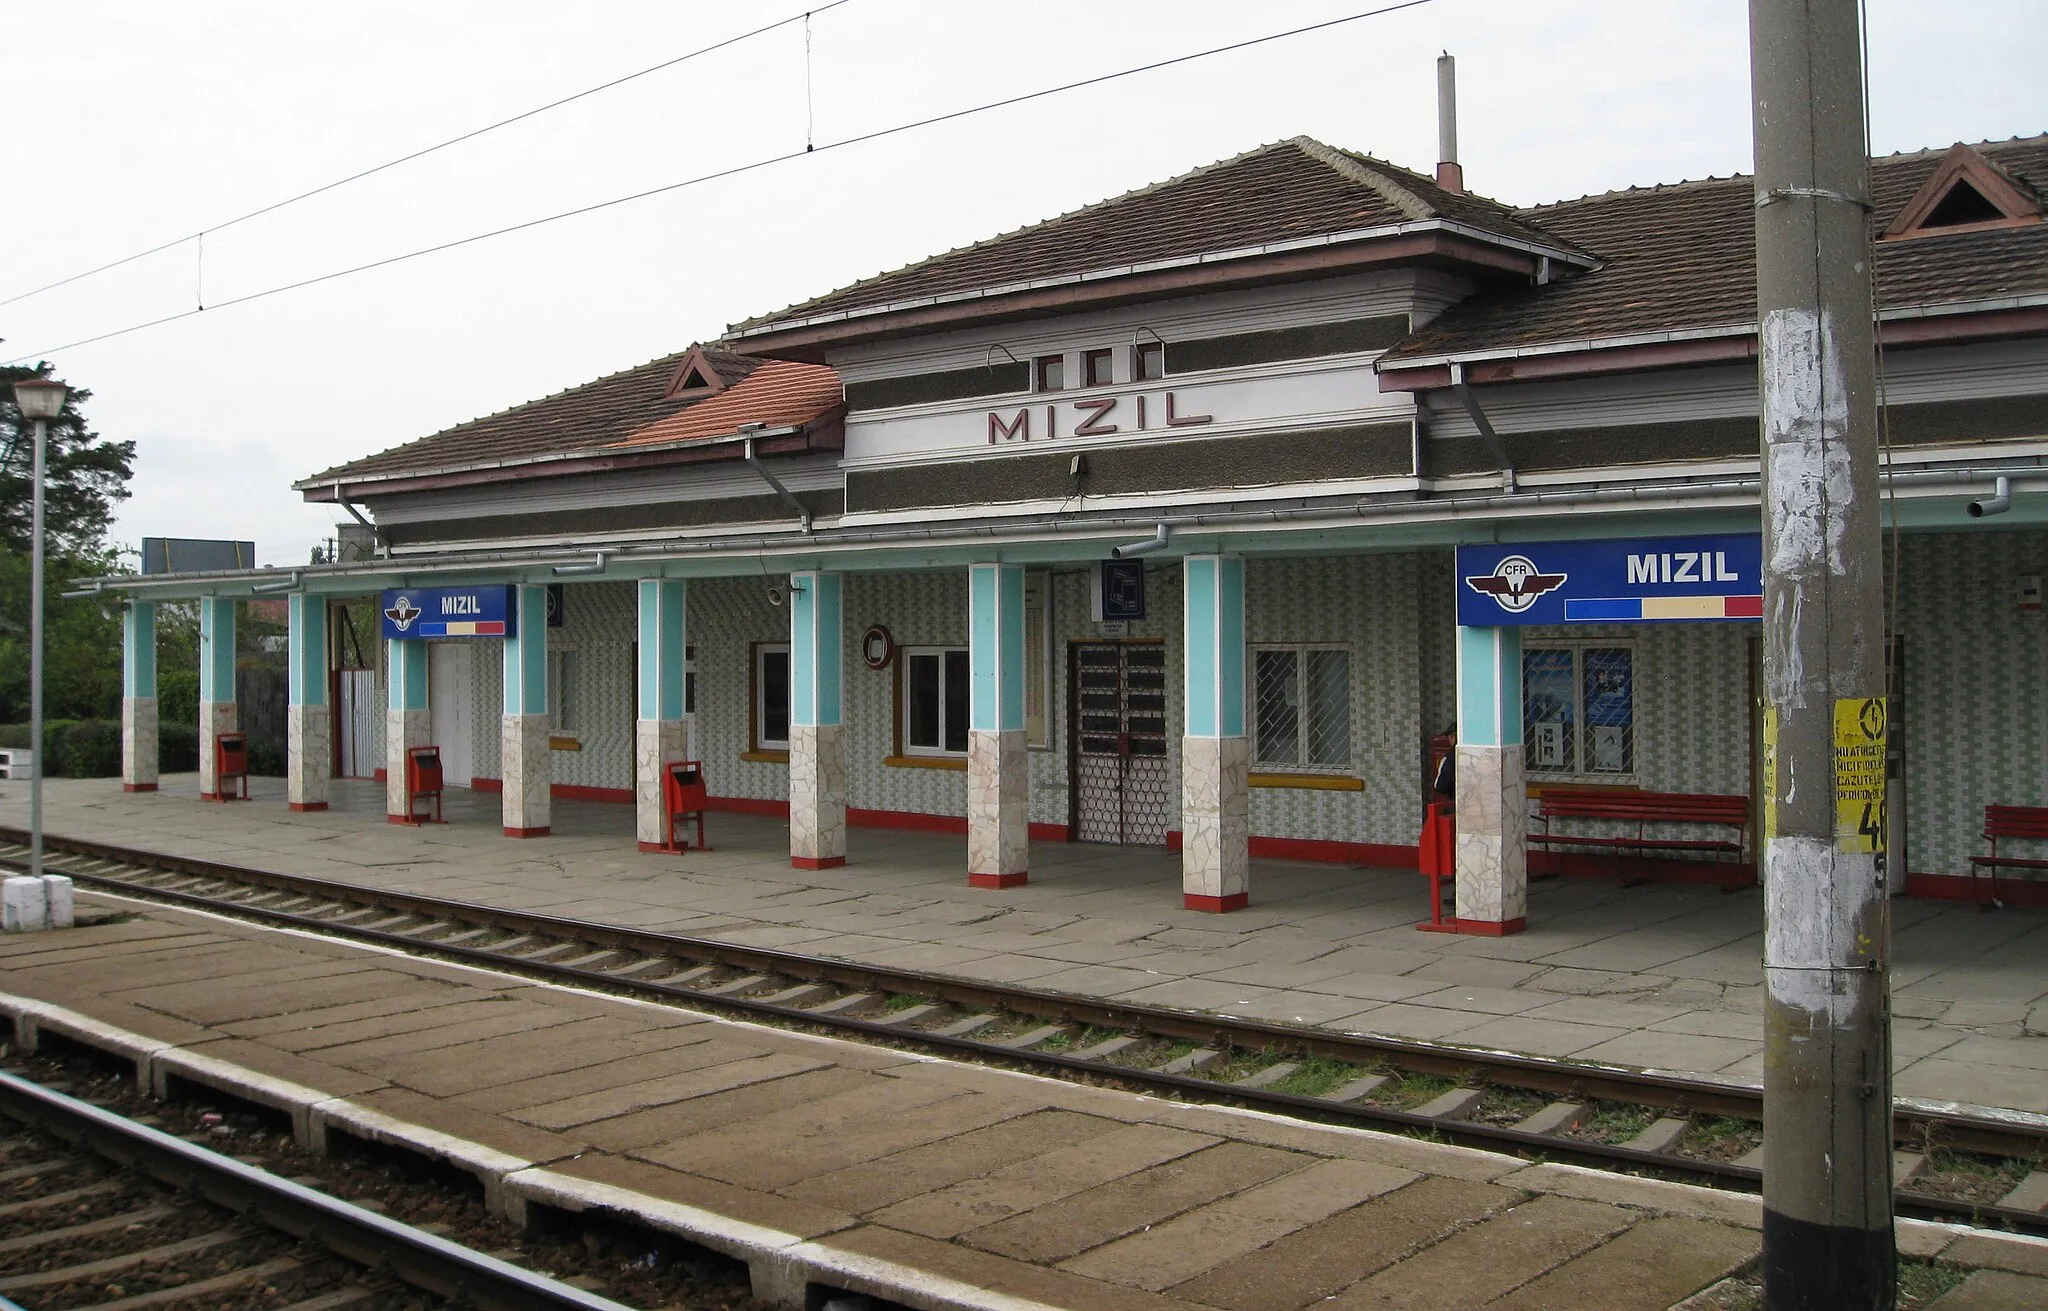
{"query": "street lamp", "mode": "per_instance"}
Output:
(40, 400)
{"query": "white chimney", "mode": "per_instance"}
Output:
(1449, 174)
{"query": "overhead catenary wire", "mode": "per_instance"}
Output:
(735, 170)
(471, 135)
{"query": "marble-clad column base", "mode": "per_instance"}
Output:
(402, 729)
(215, 718)
(1215, 842)
(817, 795)
(309, 757)
(1492, 850)
(138, 744)
(655, 742)
(998, 809)
(527, 771)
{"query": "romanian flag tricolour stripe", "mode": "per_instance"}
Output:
(1635, 609)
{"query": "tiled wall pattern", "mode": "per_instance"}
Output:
(725, 617)
(599, 623)
(1367, 603)
(1975, 716)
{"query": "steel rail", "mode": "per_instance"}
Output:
(420, 1259)
(1558, 1078)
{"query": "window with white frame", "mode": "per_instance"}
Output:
(771, 697)
(561, 690)
(1578, 709)
(1301, 706)
(935, 690)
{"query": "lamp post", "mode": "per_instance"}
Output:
(40, 400)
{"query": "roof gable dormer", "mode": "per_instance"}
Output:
(695, 378)
(1965, 193)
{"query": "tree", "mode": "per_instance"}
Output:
(84, 475)
(84, 478)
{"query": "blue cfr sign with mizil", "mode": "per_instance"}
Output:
(1637, 580)
(449, 612)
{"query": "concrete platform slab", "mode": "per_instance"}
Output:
(1107, 922)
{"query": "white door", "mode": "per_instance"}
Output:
(448, 703)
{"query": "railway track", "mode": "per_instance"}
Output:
(98, 1211)
(1949, 1166)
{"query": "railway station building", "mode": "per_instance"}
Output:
(1206, 517)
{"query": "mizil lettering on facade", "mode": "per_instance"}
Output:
(1682, 567)
(1092, 418)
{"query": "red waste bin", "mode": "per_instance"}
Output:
(230, 767)
(422, 782)
(684, 796)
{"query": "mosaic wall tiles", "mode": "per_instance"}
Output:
(1976, 689)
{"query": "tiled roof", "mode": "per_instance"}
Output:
(779, 393)
(595, 414)
(1683, 257)
(1289, 190)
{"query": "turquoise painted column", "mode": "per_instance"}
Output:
(1215, 756)
(217, 713)
(661, 731)
(308, 746)
(138, 697)
(1492, 794)
(525, 757)
(817, 744)
(998, 777)
(406, 721)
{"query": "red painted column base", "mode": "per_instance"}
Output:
(301, 807)
(1215, 905)
(817, 862)
(652, 846)
(1476, 928)
(998, 880)
(209, 796)
(528, 832)
(138, 787)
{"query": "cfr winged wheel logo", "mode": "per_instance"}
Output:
(401, 613)
(1515, 583)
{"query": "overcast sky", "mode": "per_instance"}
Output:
(151, 121)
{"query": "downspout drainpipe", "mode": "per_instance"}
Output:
(2000, 502)
(1492, 439)
(282, 585)
(383, 547)
(788, 497)
(1157, 541)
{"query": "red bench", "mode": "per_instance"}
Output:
(2010, 823)
(1642, 809)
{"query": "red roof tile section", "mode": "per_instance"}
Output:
(595, 414)
(1293, 189)
(779, 394)
(1683, 257)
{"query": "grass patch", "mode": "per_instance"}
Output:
(1922, 1282)
(1319, 1075)
(1614, 1122)
(903, 1001)
(1407, 1091)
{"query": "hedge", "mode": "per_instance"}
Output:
(91, 748)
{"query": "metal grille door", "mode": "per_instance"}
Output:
(1120, 776)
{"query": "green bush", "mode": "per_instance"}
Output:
(266, 761)
(177, 696)
(177, 748)
(92, 749)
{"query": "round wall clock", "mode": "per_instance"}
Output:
(877, 648)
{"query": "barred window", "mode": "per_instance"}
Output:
(1301, 706)
(1578, 709)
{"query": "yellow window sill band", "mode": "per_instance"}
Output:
(926, 762)
(766, 757)
(1310, 782)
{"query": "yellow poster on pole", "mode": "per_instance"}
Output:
(1768, 771)
(1859, 774)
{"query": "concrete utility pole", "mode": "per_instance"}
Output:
(1827, 1242)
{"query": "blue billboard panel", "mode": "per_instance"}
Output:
(1637, 580)
(450, 612)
